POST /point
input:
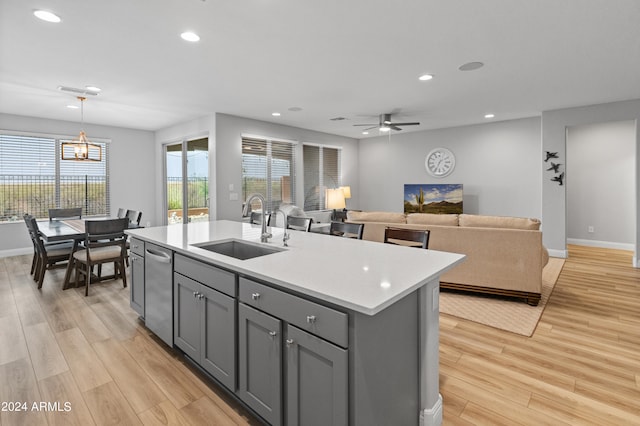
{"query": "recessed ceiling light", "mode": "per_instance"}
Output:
(489, 115)
(425, 77)
(365, 133)
(275, 114)
(47, 16)
(384, 128)
(93, 88)
(73, 106)
(189, 36)
(470, 66)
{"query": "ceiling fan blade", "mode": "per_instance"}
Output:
(396, 128)
(415, 123)
(370, 124)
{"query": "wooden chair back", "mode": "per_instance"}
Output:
(105, 242)
(134, 217)
(407, 237)
(256, 218)
(45, 257)
(348, 230)
(72, 213)
(299, 223)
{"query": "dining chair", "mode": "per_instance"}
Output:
(299, 223)
(45, 256)
(105, 242)
(256, 218)
(121, 213)
(348, 230)
(407, 237)
(72, 213)
(134, 217)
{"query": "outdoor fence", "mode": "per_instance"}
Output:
(36, 194)
(197, 192)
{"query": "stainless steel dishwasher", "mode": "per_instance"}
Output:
(158, 266)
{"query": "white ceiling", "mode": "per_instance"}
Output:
(348, 58)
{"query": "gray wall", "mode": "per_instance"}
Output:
(130, 166)
(225, 149)
(554, 125)
(601, 184)
(498, 164)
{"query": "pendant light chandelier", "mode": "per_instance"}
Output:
(81, 149)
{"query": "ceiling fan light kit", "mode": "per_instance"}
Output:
(385, 124)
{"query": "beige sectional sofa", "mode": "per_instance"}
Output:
(505, 255)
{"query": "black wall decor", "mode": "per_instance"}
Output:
(555, 167)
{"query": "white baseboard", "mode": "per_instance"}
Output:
(432, 416)
(16, 252)
(601, 244)
(562, 254)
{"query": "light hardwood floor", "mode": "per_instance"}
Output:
(582, 365)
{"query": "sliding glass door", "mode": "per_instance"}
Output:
(187, 183)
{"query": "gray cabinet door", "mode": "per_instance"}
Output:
(137, 283)
(186, 316)
(259, 363)
(218, 338)
(317, 380)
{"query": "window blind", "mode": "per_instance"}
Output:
(33, 179)
(268, 168)
(321, 171)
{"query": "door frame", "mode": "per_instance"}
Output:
(184, 142)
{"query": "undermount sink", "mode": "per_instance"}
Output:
(239, 249)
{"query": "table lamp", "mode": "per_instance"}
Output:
(335, 199)
(347, 193)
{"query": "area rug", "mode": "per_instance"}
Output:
(506, 314)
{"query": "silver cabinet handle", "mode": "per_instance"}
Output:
(255, 296)
(289, 342)
(311, 319)
(273, 334)
(200, 296)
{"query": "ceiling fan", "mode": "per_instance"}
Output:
(386, 124)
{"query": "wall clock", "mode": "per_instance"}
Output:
(440, 162)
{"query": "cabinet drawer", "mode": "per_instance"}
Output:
(325, 322)
(137, 246)
(216, 278)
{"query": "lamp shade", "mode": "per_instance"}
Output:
(347, 191)
(335, 199)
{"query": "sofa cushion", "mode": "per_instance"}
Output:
(479, 221)
(432, 219)
(388, 217)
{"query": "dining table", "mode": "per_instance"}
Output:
(59, 230)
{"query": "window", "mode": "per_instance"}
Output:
(321, 171)
(33, 179)
(268, 168)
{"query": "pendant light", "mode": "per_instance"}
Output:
(81, 149)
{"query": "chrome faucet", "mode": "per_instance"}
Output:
(286, 236)
(264, 235)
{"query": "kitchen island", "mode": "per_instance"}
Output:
(325, 331)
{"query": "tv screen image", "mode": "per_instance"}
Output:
(433, 198)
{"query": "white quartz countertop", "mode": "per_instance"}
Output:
(362, 276)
